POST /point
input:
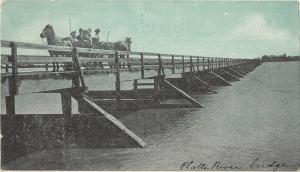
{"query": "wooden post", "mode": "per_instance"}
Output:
(156, 90)
(191, 63)
(135, 84)
(78, 71)
(12, 82)
(183, 65)
(173, 65)
(197, 63)
(203, 63)
(159, 66)
(142, 66)
(212, 63)
(6, 68)
(117, 83)
(66, 103)
(208, 64)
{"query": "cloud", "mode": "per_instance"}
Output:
(255, 28)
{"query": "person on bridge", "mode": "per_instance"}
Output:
(86, 36)
(73, 36)
(80, 36)
(96, 38)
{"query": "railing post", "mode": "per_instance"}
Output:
(203, 63)
(197, 63)
(12, 83)
(78, 71)
(208, 64)
(173, 65)
(6, 68)
(159, 66)
(142, 66)
(212, 63)
(191, 63)
(183, 65)
(223, 63)
(117, 83)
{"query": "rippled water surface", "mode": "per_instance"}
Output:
(257, 117)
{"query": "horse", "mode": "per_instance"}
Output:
(52, 39)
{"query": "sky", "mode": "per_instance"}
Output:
(245, 29)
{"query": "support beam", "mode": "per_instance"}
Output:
(222, 79)
(235, 72)
(183, 94)
(240, 71)
(231, 75)
(203, 83)
(99, 111)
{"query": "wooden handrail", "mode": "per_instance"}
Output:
(23, 45)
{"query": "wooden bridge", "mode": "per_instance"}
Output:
(197, 75)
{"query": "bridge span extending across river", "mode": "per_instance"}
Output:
(194, 75)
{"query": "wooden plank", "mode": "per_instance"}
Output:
(38, 74)
(183, 94)
(39, 59)
(222, 79)
(231, 75)
(204, 83)
(145, 84)
(6, 44)
(172, 106)
(240, 71)
(235, 72)
(112, 119)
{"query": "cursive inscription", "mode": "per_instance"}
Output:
(218, 165)
(256, 164)
(259, 164)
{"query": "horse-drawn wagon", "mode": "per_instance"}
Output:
(83, 40)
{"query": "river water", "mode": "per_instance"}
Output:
(248, 125)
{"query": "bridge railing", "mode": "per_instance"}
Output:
(74, 55)
(132, 57)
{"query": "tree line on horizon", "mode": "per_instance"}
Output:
(281, 57)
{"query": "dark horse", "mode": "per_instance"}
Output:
(52, 39)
